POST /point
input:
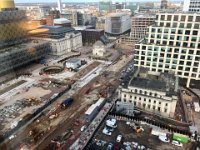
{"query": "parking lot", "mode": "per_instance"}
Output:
(142, 139)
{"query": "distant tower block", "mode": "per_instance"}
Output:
(4, 4)
(164, 4)
(60, 6)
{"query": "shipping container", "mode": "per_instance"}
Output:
(180, 137)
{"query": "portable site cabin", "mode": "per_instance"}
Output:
(180, 137)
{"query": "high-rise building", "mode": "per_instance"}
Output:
(164, 4)
(15, 47)
(172, 44)
(7, 4)
(12, 24)
(117, 24)
(70, 15)
(60, 6)
(139, 24)
(105, 5)
(191, 5)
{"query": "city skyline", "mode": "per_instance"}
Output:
(54, 1)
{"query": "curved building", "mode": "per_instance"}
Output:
(6, 4)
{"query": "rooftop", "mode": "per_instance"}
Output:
(144, 16)
(163, 82)
(61, 20)
(117, 14)
(73, 60)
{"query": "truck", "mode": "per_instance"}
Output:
(67, 102)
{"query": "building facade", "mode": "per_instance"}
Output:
(156, 93)
(16, 49)
(72, 16)
(22, 54)
(13, 25)
(90, 36)
(164, 4)
(99, 49)
(117, 24)
(139, 24)
(62, 39)
(191, 5)
(172, 44)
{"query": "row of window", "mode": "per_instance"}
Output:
(144, 100)
(149, 106)
(173, 31)
(179, 18)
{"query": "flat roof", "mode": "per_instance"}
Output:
(163, 82)
(90, 109)
(73, 60)
(148, 84)
(61, 20)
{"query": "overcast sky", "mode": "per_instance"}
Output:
(36, 1)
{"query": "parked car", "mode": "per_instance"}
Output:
(100, 143)
(110, 146)
(83, 128)
(126, 143)
(116, 147)
(177, 143)
(119, 138)
(106, 131)
(163, 138)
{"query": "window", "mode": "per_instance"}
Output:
(149, 100)
(175, 18)
(169, 17)
(145, 99)
(140, 91)
(196, 26)
(154, 102)
(130, 101)
(154, 107)
(124, 95)
(149, 106)
(166, 104)
(190, 18)
(183, 18)
(130, 96)
(162, 17)
(165, 110)
(134, 103)
(158, 108)
(144, 105)
(197, 19)
(139, 98)
(159, 103)
(195, 32)
(181, 25)
(187, 32)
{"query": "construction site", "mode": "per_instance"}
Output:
(31, 105)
